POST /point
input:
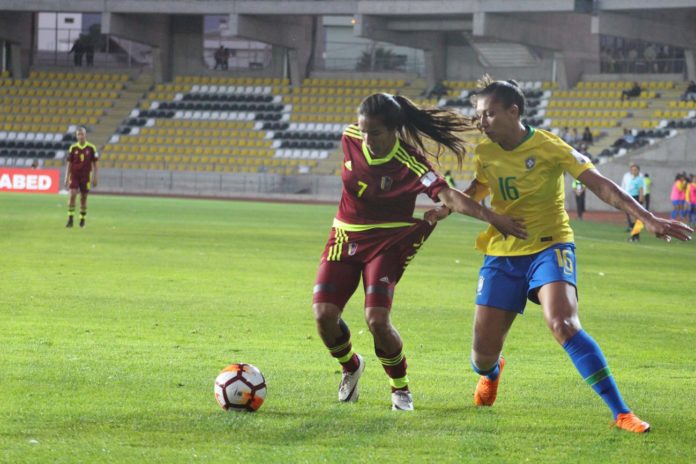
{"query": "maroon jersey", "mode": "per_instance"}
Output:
(382, 191)
(80, 158)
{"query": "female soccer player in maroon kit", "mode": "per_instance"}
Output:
(374, 233)
(82, 160)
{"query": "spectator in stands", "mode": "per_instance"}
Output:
(566, 136)
(80, 173)
(78, 50)
(607, 61)
(34, 164)
(587, 136)
(375, 235)
(663, 60)
(690, 93)
(647, 185)
(633, 92)
(575, 138)
(631, 59)
(650, 55)
(438, 90)
(579, 190)
(221, 56)
(226, 59)
(89, 52)
(625, 141)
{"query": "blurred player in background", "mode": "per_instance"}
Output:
(80, 174)
(522, 169)
(374, 234)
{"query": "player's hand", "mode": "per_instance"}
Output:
(667, 229)
(436, 214)
(94, 183)
(507, 225)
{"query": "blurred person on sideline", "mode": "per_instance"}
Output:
(690, 199)
(647, 187)
(579, 191)
(636, 188)
(678, 197)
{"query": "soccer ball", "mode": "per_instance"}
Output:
(240, 387)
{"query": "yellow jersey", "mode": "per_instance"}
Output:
(527, 183)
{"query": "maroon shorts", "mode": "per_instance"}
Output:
(81, 181)
(380, 256)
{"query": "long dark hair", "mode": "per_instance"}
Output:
(507, 93)
(413, 123)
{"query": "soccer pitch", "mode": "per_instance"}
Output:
(112, 337)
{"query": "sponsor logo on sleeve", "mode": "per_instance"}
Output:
(579, 157)
(428, 178)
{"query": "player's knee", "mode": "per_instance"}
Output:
(326, 314)
(378, 322)
(564, 328)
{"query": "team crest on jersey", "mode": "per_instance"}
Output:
(349, 165)
(352, 248)
(386, 183)
(479, 288)
(530, 162)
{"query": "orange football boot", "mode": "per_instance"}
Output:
(632, 423)
(487, 390)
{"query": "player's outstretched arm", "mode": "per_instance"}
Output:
(475, 190)
(611, 194)
(454, 200)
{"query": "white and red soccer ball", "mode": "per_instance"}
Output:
(240, 387)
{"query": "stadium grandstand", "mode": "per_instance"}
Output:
(249, 98)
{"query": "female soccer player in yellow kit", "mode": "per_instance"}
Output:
(522, 169)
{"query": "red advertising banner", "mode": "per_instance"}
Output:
(29, 180)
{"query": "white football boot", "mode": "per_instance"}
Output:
(348, 388)
(402, 401)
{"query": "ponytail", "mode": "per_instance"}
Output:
(414, 123)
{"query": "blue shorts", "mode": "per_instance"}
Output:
(505, 282)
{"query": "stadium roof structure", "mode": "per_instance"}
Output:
(569, 27)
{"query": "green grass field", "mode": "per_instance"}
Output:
(111, 338)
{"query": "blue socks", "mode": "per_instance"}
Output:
(590, 362)
(491, 373)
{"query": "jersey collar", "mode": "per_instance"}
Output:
(384, 159)
(528, 135)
